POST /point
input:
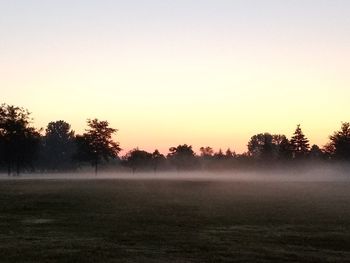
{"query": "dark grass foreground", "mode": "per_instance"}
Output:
(173, 221)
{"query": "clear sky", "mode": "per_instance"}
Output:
(167, 72)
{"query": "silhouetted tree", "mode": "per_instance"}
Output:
(97, 144)
(19, 142)
(229, 154)
(206, 152)
(299, 144)
(219, 155)
(261, 147)
(282, 147)
(315, 153)
(58, 146)
(138, 160)
(182, 156)
(158, 160)
(205, 159)
(268, 147)
(339, 145)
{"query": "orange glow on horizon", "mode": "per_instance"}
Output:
(172, 73)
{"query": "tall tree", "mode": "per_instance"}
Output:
(282, 146)
(261, 146)
(339, 145)
(58, 146)
(299, 144)
(19, 141)
(182, 156)
(269, 147)
(97, 144)
(158, 160)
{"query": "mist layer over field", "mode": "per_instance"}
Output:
(176, 217)
(302, 173)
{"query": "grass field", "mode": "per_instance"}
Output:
(125, 220)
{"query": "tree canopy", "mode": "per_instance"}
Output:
(58, 146)
(19, 141)
(97, 144)
(182, 156)
(24, 148)
(339, 145)
(299, 144)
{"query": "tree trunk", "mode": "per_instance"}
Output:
(9, 169)
(17, 168)
(96, 164)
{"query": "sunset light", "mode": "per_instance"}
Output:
(171, 72)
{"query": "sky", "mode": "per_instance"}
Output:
(169, 72)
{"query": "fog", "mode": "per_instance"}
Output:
(309, 173)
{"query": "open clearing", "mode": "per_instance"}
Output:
(145, 220)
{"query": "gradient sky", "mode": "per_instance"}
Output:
(167, 72)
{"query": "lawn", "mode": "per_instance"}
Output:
(122, 220)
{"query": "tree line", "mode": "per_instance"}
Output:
(23, 148)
